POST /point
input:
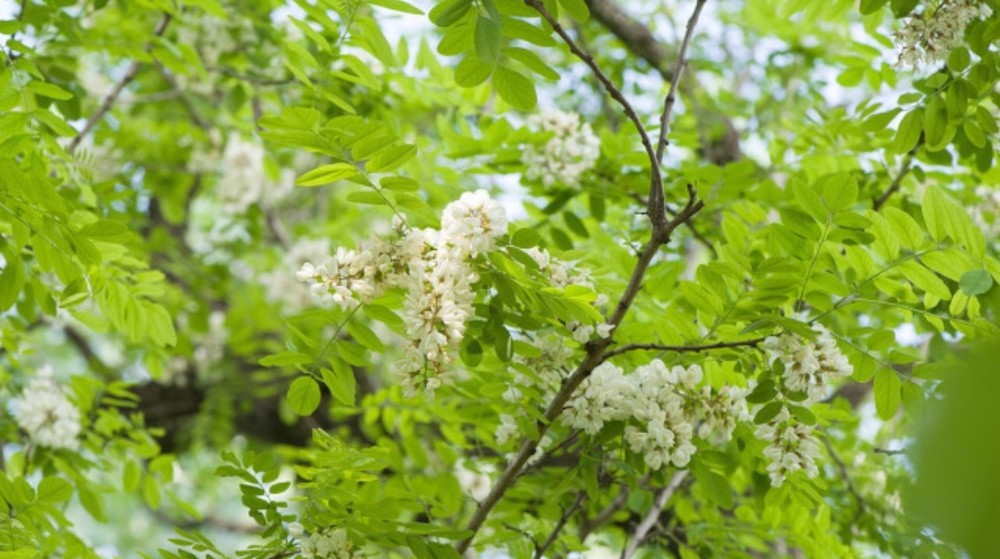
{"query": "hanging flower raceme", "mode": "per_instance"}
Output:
(433, 267)
(46, 415)
(572, 150)
(809, 365)
(661, 406)
(792, 447)
(930, 35)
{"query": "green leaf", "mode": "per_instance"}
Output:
(397, 5)
(908, 133)
(959, 59)
(925, 279)
(49, 90)
(11, 279)
(107, 231)
(515, 89)
(327, 174)
(532, 61)
(839, 191)
(471, 71)
(768, 412)
(448, 12)
(488, 40)
(975, 282)
(525, 238)
(869, 7)
(303, 395)
(340, 381)
(54, 489)
(946, 218)
(576, 8)
(936, 124)
(286, 359)
(887, 393)
(390, 158)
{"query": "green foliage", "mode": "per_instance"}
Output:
(167, 167)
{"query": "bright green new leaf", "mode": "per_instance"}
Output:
(327, 174)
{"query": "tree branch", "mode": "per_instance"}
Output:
(593, 358)
(656, 187)
(654, 513)
(671, 98)
(682, 348)
(130, 74)
(904, 169)
(540, 550)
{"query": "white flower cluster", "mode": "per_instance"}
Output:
(809, 366)
(46, 415)
(563, 274)
(244, 181)
(792, 447)
(328, 544)
(433, 267)
(930, 35)
(572, 150)
(661, 406)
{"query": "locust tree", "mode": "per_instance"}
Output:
(497, 278)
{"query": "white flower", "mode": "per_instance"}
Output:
(46, 415)
(434, 268)
(792, 447)
(599, 399)
(572, 150)
(809, 366)
(506, 430)
(471, 224)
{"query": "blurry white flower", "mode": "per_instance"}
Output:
(45, 414)
(572, 150)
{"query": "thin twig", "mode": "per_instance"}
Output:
(889, 451)
(653, 515)
(842, 467)
(607, 512)
(656, 187)
(671, 98)
(540, 550)
(188, 106)
(904, 169)
(682, 348)
(130, 74)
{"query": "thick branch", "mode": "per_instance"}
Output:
(682, 348)
(130, 74)
(656, 188)
(653, 515)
